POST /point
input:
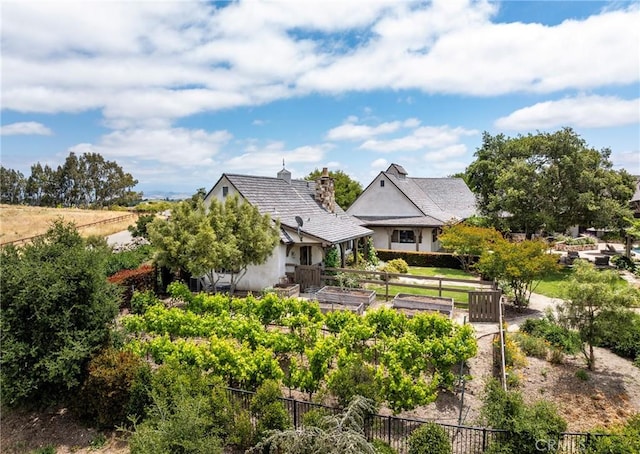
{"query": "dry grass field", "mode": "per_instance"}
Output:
(18, 222)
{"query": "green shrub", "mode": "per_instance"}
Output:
(117, 385)
(353, 378)
(559, 337)
(267, 406)
(141, 301)
(430, 438)
(400, 265)
(622, 440)
(181, 426)
(524, 424)
(620, 332)
(347, 280)
(582, 374)
(423, 259)
(316, 417)
(623, 263)
(382, 447)
(332, 258)
(531, 345)
(128, 260)
(242, 436)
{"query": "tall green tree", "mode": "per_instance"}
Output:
(12, 186)
(347, 189)
(589, 294)
(57, 309)
(548, 181)
(231, 236)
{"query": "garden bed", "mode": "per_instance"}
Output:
(346, 296)
(411, 304)
(287, 290)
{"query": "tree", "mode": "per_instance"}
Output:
(520, 266)
(336, 434)
(57, 307)
(589, 294)
(548, 181)
(230, 236)
(85, 180)
(347, 189)
(12, 186)
(468, 242)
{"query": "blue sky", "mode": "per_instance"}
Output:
(179, 92)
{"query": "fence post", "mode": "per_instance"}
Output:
(439, 287)
(295, 414)
(386, 286)
(484, 439)
(389, 430)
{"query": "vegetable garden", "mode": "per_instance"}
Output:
(398, 361)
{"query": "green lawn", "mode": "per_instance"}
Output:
(443, 272)
(553, 285)
(461, 299)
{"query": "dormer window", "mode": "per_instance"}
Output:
(382, 183)
(225, 191)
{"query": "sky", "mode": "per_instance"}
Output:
(179, 92)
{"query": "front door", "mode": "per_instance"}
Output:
(305, 255)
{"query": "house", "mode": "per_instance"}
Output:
(407, 213)
(310, 222)
(634, 203)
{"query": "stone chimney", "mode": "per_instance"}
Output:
(325, 191)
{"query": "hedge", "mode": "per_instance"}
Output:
(426, 259)
(140, 279)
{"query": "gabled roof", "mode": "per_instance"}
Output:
(287, 200)
(440, 200)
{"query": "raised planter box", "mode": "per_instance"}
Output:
(413, 303)
(346, 296)
(575, 247)
(287, 290)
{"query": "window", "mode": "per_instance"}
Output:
(225, 191)
(434, 235)
(305, 255)
(403, 236)
(382, 183)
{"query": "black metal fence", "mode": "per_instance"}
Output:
(396, 431)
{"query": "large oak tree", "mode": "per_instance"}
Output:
(548, 181)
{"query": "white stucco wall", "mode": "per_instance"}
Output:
(381, 240)
(383, 201)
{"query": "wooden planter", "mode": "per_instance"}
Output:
(287, 290)
(346, 296)
(413, 303)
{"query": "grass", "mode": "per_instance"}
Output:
(553, 285)
(440, 272)
(18, 221)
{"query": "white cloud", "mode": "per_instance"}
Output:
(177, 147)
(446, 153)
(267, 159)
(26, 128)
(425, 137)
(582, 112)
(142, 62)
(380, 164)
(349, 130)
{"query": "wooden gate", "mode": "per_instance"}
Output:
(484, 306)
(308, 276)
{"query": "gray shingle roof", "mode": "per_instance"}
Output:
(285, 201)
(440, 199)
